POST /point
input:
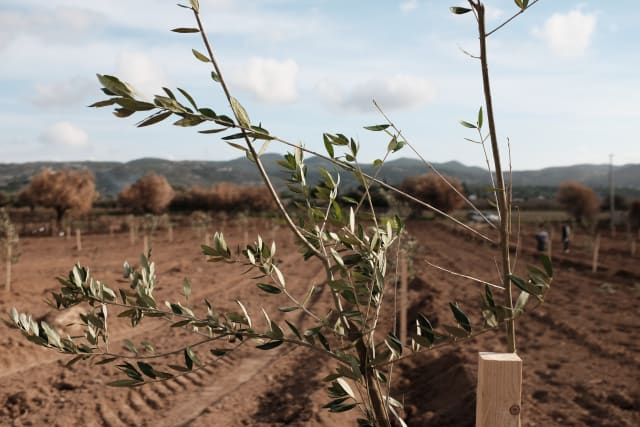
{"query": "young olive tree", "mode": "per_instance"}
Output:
(351, 242)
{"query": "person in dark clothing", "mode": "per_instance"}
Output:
(542, 239)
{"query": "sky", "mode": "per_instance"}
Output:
(565, 79)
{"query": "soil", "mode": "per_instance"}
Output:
(581, 348)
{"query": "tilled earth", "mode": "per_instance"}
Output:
(581, 348)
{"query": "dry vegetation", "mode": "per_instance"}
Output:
(63, 190)
(580, 201)
(150, 194)
(432, 189)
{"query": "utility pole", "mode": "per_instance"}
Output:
(612, 206)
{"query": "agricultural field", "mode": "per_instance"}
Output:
(581, 348)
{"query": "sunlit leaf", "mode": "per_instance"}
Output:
(200, 56)
(241, 113)
(468, 125)
(459, 10)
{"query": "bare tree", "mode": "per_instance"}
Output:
(580, 201)
(150, 194)
(62, 190)
(434, 190)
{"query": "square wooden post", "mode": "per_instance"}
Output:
(499, 390)
(145, 245)
(7, 283)
(78, 240)
(596, 252)
(403, 297)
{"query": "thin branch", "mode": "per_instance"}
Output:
(512, 18)
(251, 148)
(475, 279)
(430, 165)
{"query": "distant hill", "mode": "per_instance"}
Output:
(111, 177)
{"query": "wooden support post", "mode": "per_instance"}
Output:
(7, 283)
(78, 240)
(596, 252)
(145, 243)
(403, 297)
(499, 390)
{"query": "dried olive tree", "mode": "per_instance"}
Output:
(150, 194)
(580, 201)
(443, 194)
(351, 242)
(62, 190)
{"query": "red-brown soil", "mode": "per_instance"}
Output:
(581, 349)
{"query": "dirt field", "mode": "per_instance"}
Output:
(581, 349)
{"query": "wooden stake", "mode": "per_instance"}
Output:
(145, 244)
(403, 297)
(132, 234)
(78, 240)
(7, 283)
(499, 390)
(596, 252)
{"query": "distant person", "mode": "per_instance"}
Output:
(566, 240)
(542, 240)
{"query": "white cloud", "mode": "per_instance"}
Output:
(62, 93)
(141, 72)
(47, 24)
(570, 34)
(399, 92)
(270, 80)
(65, 134)
(409, 5)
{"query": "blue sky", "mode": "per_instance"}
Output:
(565, 76)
